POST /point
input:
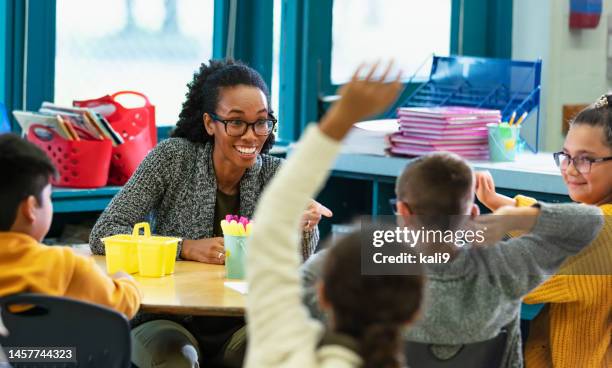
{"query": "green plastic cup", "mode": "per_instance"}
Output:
(503, 141)
(235, 256)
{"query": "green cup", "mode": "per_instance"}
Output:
(235, 256)
(503, 142)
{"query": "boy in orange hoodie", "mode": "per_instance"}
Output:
(25, 217)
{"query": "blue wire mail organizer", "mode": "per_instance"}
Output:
(501, 84)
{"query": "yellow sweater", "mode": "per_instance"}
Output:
(27, 266)
(574, 329)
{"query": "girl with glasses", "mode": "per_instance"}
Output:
(574, 329)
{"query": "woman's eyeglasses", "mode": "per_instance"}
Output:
(581, 164)
(237, 128)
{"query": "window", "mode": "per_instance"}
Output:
(150, 46)
(407, 31)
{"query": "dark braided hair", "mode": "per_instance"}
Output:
(597, 114)
(370, 308)
(203, 97)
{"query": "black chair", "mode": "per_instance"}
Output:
(100, 335)
(484, 354)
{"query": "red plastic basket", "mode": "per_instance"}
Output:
(80, 164)
(136, 126)
(127, 156)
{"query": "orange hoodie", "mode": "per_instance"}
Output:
(575, 328)
(28, 266)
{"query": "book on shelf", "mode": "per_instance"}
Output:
(86, 119)
(448, 112)
(25, 119)
(65, 120)
(458, 129)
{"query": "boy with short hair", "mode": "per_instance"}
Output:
(25, 217)
(478, 293)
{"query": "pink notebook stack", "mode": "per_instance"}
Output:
(462, 130)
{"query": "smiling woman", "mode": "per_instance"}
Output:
(214, 164)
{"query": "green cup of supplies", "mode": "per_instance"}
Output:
(236, 231)
(504, 139)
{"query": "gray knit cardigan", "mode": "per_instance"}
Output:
(175, 188)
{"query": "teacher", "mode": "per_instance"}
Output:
(215, 163)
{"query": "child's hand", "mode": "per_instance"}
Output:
(360, 99)
(122, 275)
(485, 192)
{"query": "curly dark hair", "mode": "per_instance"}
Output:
(203, 97)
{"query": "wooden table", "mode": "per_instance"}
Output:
(195, 289)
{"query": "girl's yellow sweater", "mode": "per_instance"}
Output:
(575, 328)
(27, 266)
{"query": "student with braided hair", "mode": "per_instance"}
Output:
(367, 312)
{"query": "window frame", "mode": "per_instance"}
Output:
(28, 41)
(307, 66)
(305, 51)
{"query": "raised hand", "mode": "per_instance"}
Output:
(359, 99)
(486, 194)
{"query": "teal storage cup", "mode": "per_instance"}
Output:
(235, 256)
(503, 142)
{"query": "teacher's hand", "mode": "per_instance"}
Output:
(312, 215)
(207, 250)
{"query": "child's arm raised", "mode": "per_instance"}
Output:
(279, 329)
(556, 232)
(486, 194)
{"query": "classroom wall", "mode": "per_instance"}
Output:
(574, 61)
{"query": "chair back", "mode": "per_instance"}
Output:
(483, 354)
(100, 335)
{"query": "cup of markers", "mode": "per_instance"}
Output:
(504, 139)
(236, 230)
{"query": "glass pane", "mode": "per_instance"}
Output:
(408, 31)
(150, 46)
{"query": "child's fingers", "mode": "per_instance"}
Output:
(478, 183)
(357, 72)
(398, 77)
(383, 77)
(372, 70)
(483, 182)
(488, 179)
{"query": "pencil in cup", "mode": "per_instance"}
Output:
(521, 119)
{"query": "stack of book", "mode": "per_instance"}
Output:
(71, 123)
(462, 130)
